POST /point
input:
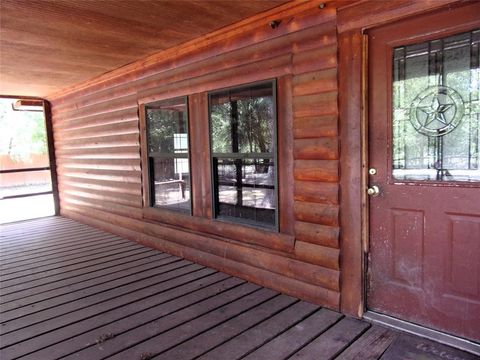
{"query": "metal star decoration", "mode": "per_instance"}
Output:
(436, 111)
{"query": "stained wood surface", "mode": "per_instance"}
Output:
(368, 14)
(352, 136)
(99, 132)
(73, 41)
(141, 303)
(100, 163)
(352, 21)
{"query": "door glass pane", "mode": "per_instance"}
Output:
(436, 109)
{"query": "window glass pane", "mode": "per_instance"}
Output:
(171, 183)
(167, 127)
(242, 120)
(436, 109)
(167, 136)
(243, 145)
(246, 189)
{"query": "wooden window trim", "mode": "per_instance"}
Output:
(200, 156)
(201, 181)
(285, 180)
(146, 195)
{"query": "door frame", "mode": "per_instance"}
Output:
(352, 27)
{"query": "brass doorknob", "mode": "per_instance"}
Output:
(373, 191)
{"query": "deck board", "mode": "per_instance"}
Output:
(295, 338)
(57, 300)
(74, 292)
(52, 319)
(217, 335)
(39, 262)
(35, 291)
(51, 276)
(130, 318)
(165, 337)
(334, 340)
(38, 241)
(371, 346)
(260, 334)
(53, 293)
(82, 243)
(82, 262)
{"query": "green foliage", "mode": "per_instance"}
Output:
(163, 125)
(255, 126)
(23, 132)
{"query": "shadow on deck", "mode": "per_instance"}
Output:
(74, 292)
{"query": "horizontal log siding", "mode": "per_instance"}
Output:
(316, 154)
(98, 154)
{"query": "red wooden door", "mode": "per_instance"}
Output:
(424, 141)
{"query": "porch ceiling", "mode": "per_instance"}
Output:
(48, 45)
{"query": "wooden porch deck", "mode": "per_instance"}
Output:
(71, 291)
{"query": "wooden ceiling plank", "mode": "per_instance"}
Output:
(75, 56)
(54, 44)
(251, 29)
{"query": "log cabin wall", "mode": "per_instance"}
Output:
(99, 161)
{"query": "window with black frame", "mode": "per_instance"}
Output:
(243, 144)
(168, 156)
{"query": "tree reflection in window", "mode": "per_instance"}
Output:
(168, 161)
(243, 130)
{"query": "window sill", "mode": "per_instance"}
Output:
(237, 232)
